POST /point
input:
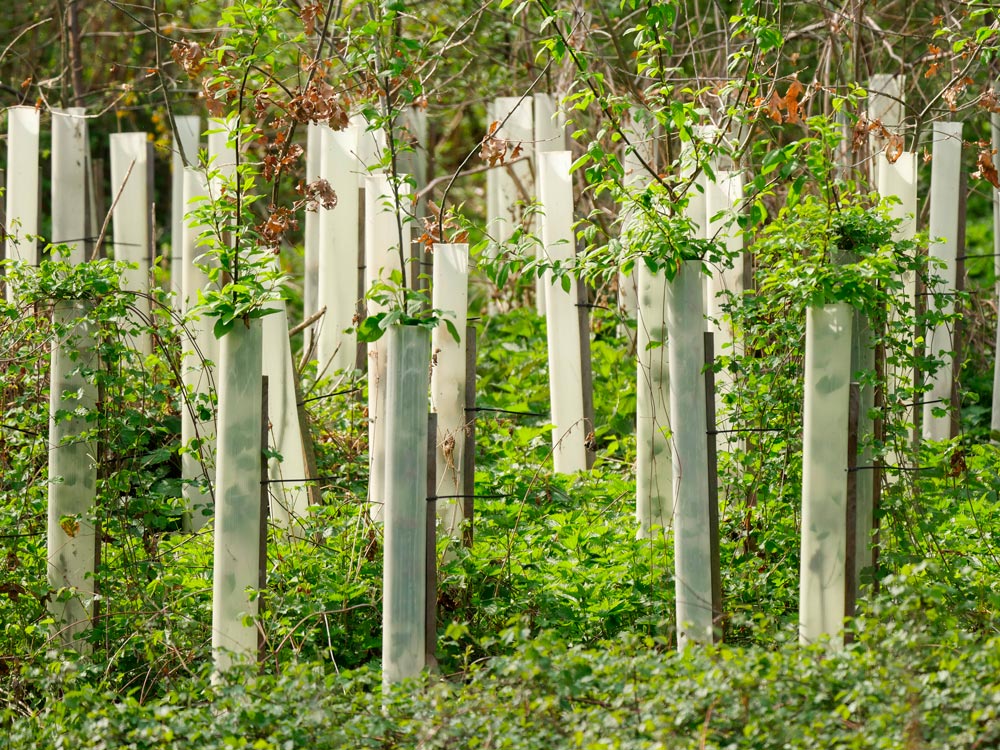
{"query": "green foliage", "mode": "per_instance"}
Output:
(908, 680)
(401, 306)
(556, 623)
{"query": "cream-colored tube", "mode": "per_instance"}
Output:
(69, 181)
(689, 449)
(899, 179)
(289, 500)
(221, 151)
(130, 221)
(641, 148)
(885, 105)
(726, 278)
(71, 543)
(823, 574)
(199, 354)
(946, 182)
(404, 582)
(725, 282)
(23, 125)
(653, 466)
(188, 138)
(653, 470)
(549, 135)
(310, 249)
(450, 294)
(338, 250)
(562, 320)
(72, 456)
(371, 146)
(382, 257)
(505, 212)
(237, 513)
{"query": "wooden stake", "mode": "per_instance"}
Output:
(265, 504)
(851, 581)
(469, 452)
(959, 334)
(586, 372)
(711, 440)
(430, 581)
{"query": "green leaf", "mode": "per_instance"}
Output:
(370, 329)
(452, 330)
(222, 326)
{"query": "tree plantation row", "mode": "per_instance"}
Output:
(229, 348)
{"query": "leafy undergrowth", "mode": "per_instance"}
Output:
(555, 626)
(910, 680)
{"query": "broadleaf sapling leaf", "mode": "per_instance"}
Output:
(370, 328)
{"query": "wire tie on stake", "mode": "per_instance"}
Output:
(328, 395)
(507, 411)
(745, 429)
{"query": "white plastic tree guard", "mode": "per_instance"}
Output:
(450, 294)
(654, 482)
(221, 152)
(569, 451)
(549, 124)
(404, 583)
(382, 256)
(946, 185)
(72, 540)
(694, 155)
(689, 444)
(199, 353)
(549, 135)
(130, 218)
(338, 249)
(726, 278)
(371, 146)
(411, 130)
(184, 154)
(725, 282)
(899, 179)
(885, 105)
(504, 199)
(995, 141)
(289, 501)
(823, 574)
(641, 148)
(653, 469)
(310, 250)
(237, 512)
(885, 99)
(21, 213)
(69, 181)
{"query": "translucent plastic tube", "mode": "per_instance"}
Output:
(823, 573)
